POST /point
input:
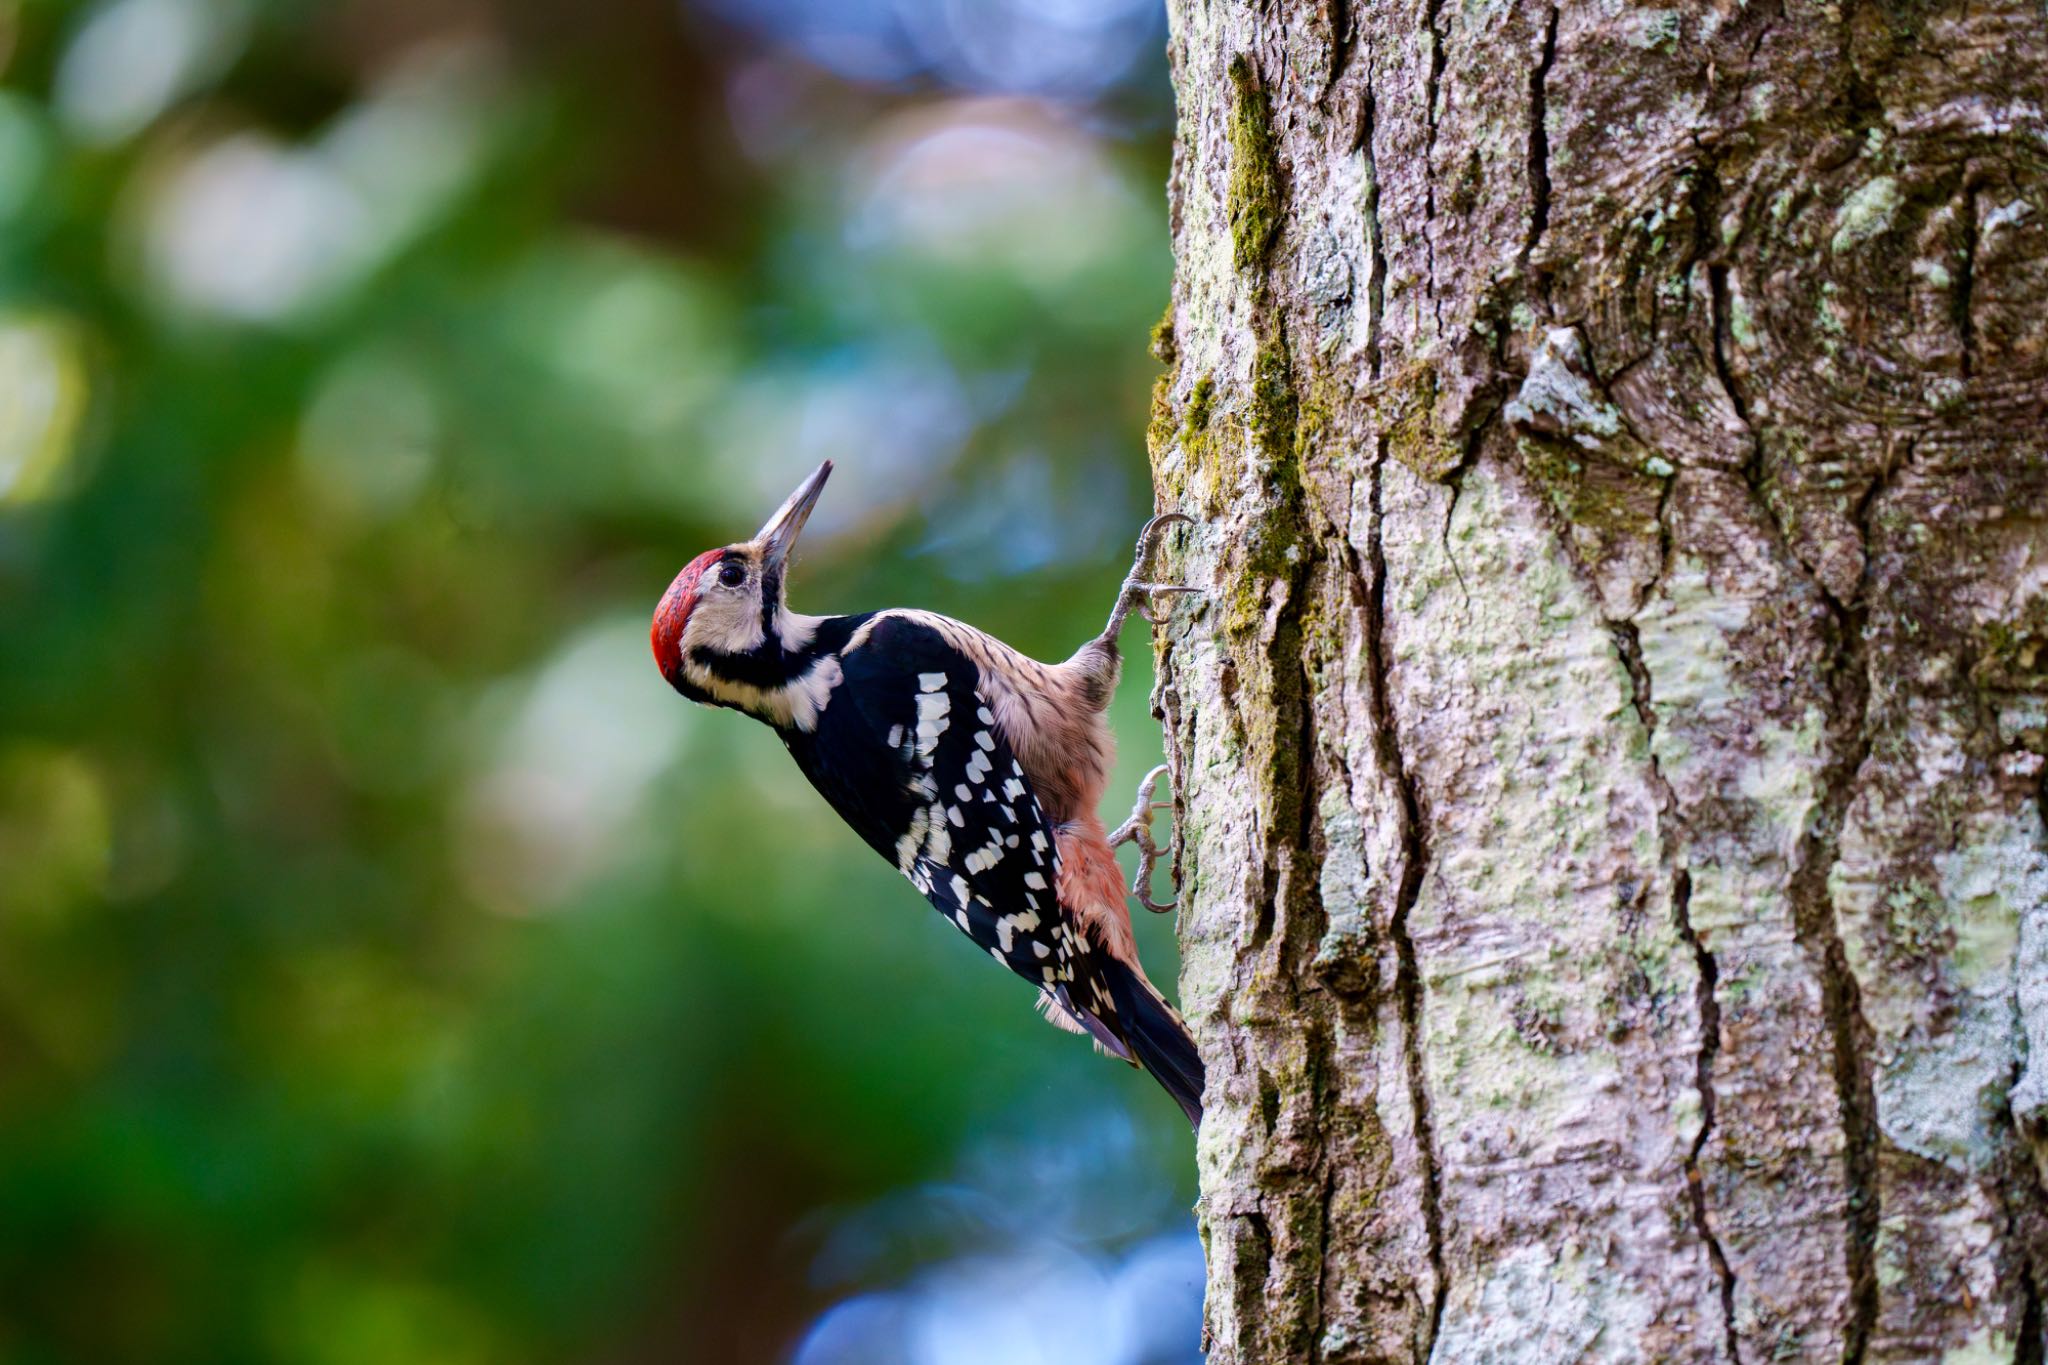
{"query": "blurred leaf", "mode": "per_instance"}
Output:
(391, 967)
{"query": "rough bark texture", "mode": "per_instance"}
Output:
(1611, 743)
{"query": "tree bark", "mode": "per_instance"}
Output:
(1611, 740)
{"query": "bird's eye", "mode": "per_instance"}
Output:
(732, 573)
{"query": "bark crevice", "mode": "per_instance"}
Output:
(1813, 912)
(1719, 325)
(1343, 38)
(1414, 864)
(1376, 285)
(1308, 923)
(2033, 1333)
(1438, 58)
(1710, 1047)
(1539, 146)
(1468, 456)
(1628, 645)
(1966, 284)
(1814, 922)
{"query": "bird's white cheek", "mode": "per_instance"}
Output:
(730, 626)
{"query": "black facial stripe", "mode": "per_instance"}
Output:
(690, 691)
(767, 665)
(771, 598)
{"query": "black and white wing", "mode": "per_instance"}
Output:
(908, 751)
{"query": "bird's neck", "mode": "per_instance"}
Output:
(784, 678)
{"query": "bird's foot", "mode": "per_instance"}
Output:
(1136, 593)
(1138, 830)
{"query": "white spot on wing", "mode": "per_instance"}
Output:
(912, 840)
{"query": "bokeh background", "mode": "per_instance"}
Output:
(391, 969)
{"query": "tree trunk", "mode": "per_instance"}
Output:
(1611, 741)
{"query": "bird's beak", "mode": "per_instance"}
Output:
(778, 537)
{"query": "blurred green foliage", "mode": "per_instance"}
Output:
(391, 968)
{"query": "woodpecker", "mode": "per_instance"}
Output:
(974, 770)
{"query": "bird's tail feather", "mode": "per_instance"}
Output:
(1157, 1037)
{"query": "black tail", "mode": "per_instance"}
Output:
(1157, 1037)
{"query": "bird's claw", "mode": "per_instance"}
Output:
(1138, 830)
(1151, 528)
(1143, 595)
(1136, 592)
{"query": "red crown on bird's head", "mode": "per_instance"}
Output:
(674, 613)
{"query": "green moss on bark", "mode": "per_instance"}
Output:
(1273, 408)
(1164, 347)
(1406, 406)
(1252, 197)
(2013, 655)
(1603, 499)
(1201, 407)
(1160, 425)
(1273, 547)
